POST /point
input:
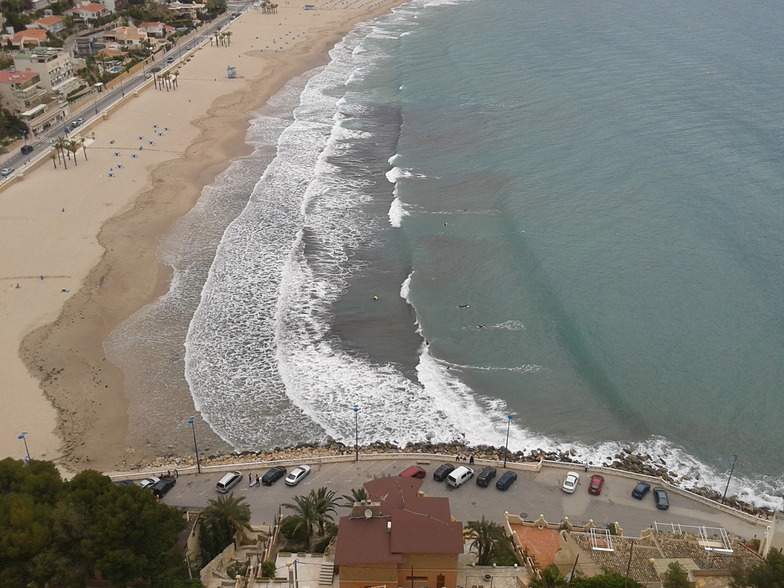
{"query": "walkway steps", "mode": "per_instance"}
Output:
(326, 573)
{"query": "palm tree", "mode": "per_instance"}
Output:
(485, 536)
(325, 503)
(226, 517)
(304, 508)
(357, 495)
(72, 147)
(60, 146)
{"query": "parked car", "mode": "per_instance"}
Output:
(297, 475)
(26, 149)
(506, 480)
(595, 487)
(640, 490)
(442, 472)
(6, 171)
(459, 476)
(485, 477)
(413, 472)
(228, 481)
(661, 498)
(124, 483)
(149, 482)
(162, 486)
(570, 482)
(273, 475)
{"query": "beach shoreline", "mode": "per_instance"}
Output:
(80, 415)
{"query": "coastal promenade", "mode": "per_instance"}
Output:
(537, 491)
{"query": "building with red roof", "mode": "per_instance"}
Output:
(28, 37)
(398, 537)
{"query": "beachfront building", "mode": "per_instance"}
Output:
(25, 38)
(51, 23)
(89, 45)
(89, 11)
(155, 30)
(184, 10)
(23, 93)
(125, 38)
(52, 64)
(398, 538)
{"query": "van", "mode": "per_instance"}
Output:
(459, 476)
(228, 482)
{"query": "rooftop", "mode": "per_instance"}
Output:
(16, 77)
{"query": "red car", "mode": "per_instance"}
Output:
(413, 472)
(595, 487)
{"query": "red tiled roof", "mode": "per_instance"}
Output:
(14, 77)
(93, 7)
(50, 20)
(408, 523)
(37, 34)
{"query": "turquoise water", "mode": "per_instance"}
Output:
(567, 212)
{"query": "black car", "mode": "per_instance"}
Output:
(442, 472)
(506, 480)
(485, 477)
(640, 490)
(660, 496)
(273, 475)
(27, 149)
(162, 486)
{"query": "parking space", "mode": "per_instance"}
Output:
(533, 493)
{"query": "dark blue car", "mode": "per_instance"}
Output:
(506, 480)
(640, 490)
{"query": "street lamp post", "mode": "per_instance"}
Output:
(195, 446)
(732, 469)
(506, 445)
(356, 434)
(24, 439)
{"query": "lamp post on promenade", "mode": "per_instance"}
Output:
(732, 469)
(195, 446)
(24, 439)
(356, 434)
(506, 445)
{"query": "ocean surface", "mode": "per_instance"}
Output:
(566, 212)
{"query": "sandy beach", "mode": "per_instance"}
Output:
(80, 243)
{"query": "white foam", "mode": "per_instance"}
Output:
(396, 213)
(405, 287)
(263, 364)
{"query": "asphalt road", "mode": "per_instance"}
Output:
(531, 495)
(102, 101)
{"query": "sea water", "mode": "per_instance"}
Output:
(563, 212)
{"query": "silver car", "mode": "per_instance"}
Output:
(570, 483)
(297, 475)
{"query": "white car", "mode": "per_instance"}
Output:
(6, 171)
(570, 483)
(297, 475)
(149, 482)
